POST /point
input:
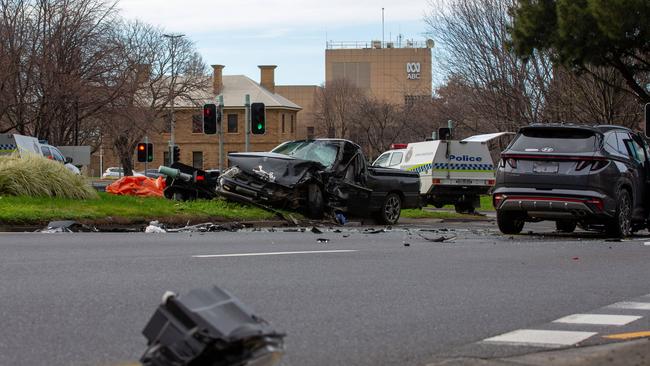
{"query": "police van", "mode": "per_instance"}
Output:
(452, 172)
(11, 143)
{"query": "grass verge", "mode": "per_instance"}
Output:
(415, 213)
(37, 210)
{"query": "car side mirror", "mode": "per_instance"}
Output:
(68, 160)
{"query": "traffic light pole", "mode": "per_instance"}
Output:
(247, 122)
(146, 150)
(221, 148)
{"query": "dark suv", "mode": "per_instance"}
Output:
(592, 176)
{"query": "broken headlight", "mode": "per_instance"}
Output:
(212, 328)
(231, 172)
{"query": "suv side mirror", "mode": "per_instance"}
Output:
(68, 160)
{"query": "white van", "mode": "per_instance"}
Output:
(14, 143)
(451, 171)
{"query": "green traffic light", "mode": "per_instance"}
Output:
(259, 126)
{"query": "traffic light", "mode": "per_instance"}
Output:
(444, 133)
(142, 152)
(258, 119)
(210, 119)
(145, 152)
(177, 154)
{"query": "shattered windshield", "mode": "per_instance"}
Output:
(323, 152)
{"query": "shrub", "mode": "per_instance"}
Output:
(35, 176)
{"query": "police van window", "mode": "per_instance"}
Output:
(57, 155)
(395, 159)
(382, 160)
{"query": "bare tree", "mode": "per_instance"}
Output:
(144, 105)
(474, 35)
(377, 125)
(335, 104)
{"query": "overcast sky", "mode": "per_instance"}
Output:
(242, 34)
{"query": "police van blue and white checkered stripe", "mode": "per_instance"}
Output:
(468, 166)
(7, 147)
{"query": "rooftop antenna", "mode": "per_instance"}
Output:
(382, 27)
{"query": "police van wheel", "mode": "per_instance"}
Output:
(464, 207)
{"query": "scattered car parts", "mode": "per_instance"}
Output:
(209, 327)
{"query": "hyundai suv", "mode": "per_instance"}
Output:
(592, 176)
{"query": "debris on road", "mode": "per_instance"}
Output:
(323, 240)
(209, 327)
(155, 227)
(440, 239)
(66, 226)
(316, 230)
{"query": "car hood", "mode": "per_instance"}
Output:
(275, 168)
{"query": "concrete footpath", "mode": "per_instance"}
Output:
(629, 353)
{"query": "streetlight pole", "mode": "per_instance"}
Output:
(172, 38)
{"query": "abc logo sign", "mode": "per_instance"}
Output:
(413, 70)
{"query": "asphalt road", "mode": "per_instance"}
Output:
(83, 299)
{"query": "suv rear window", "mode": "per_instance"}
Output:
(555, 141)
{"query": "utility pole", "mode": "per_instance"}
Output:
(247, 123)
(172, 38)
(221, 142)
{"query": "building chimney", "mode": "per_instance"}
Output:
(267, 77)
(217, 79)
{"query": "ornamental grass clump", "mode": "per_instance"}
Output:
(35, 176)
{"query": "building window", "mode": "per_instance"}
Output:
(283, 123)
(166, 158)
(197, 159)
(310, 133)
(232, 123)
(293, 123)
(197, 123)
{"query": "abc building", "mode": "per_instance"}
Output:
(397, 73)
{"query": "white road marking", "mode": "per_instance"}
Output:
(272, 253)
(631, 305)
(598, 319)
(541, 338)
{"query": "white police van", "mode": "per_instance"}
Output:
(11, 143)
(452, 172)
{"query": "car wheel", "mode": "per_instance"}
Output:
(621, 225)
(315, 202)
(391, 209)
(464, 207)
(510, 222)
(565, 226)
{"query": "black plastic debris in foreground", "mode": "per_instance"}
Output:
(209, 327)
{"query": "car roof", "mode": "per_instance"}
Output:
(594, 128)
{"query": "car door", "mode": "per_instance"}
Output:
(354, 186)
(635, 167)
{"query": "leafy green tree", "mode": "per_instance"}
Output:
(584, 33)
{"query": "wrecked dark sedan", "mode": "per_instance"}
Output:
(320, 177)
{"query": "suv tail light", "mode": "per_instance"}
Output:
(497, 199)
(594, 164)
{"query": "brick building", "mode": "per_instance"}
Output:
(201, 150)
